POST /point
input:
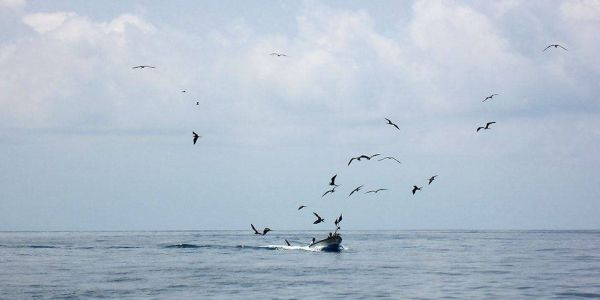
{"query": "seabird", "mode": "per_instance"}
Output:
(288, 243)
(330, 191)
(142, 66)
(555, 47)
(332, 182)
(487, 126)
(277, 54)
(301, 207)
(361, 157)
(376, 191)
(355, 190)
(183, 91)
(390, 157)
(196, 136)
(337, 221)
(391, 123)
(415, 189)
(197, 103)
(432, 178)
(319, 219)
(489, 97)
(256, 231)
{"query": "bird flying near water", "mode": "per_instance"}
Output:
(389, 157)
(277, 54)
(415, 189)
(361, 157)
(329, 191)
(376, 191)
(319, 219)
(432, 178)
(392, 123)
(355, 190)
(301, 207)
(555, 47)
(487, 126)
(267, 229)
(489, 97)
(142, 67)
(332, 182)
(196, 137)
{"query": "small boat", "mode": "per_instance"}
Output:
(332, 243)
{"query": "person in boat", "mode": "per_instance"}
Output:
(313, 241)
(330, 235)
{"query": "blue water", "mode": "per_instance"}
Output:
(237, 264)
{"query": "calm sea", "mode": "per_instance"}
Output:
(237, 264)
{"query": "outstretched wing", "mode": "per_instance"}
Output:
(546, 48)
(479, 128)
(374, 155)
(351, 160)
(563, 47)
(254, 228)
(489, 123)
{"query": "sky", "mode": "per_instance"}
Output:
(88, 143)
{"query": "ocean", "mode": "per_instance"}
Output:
(240, 265)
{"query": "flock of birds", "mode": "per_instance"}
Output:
(332, 181)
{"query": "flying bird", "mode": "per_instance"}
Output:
(487, 126)
(319, 219)
(197, 103)
(555, 47)
(256, 231)
(432, 178)
(288, 243)
(355, 190)
(329, 191)
(183, 91)
(337, 221)
(376, 191)
(196, 137)
(142, 67)
(277, 54)
(489, 97)
(390, 157)
(301, 207)
(392, 123)
(332, 182)
(361, 157)
(415, 189)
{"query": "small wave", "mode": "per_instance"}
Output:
(123, 247)
(285, 247)
(190, 246)
(30, 246)
(578, 295)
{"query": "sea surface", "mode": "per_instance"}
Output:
(238, 264)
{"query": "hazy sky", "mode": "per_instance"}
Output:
(87, 143)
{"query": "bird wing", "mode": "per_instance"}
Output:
(479, 128)
(340, 218)
(195, 139)
(563, 47)
(546, 48)
(330, 191)
(395, 159)
(489, 123)
(254, 228)
(396, 126)
(351, 160)
(333, 180)
(288, 243)
(363, 156)
(389, 121)
(370, 192)
(374, 155)
(382, 190)
(316, 215)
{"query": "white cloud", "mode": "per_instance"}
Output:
(44, 22)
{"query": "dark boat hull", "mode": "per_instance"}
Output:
(333, 243)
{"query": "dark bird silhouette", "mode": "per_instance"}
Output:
(361, 157)
(487, 126)
(301, 207)
(197, 103)
(319, 219)
(196, 137)
(376, 191)
(432, 178)
(392, 123)
(277, 54)
(288, 243)
(355, 190)
(489, 97)
(142, 67)
(555, 47)
(256, 231)
(332, 182)
(183, 91)
(337, 221)
(330, 191)
(415, 189)
(390, 157)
